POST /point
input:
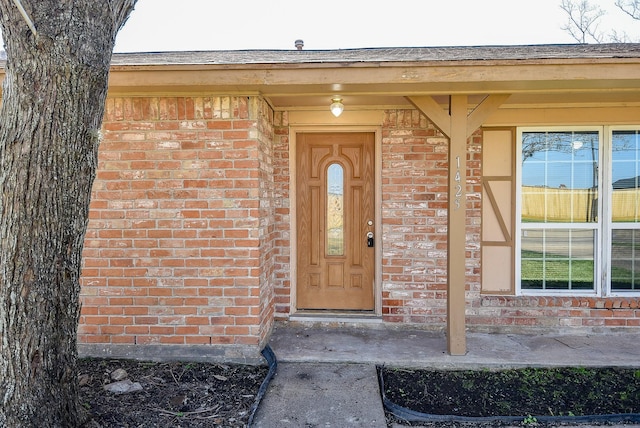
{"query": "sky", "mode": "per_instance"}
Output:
(172, 25)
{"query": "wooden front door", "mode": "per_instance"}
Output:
(335, 221)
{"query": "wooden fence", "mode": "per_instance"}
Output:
(576, 205)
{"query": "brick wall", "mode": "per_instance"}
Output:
(414, 220)
(179, 248)
(504, 313)
(189, 235)
(267, 231)
(282, 283)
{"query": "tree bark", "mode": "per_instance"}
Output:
(58, 56)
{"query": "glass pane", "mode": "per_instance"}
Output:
(335, 214)
(625, 169)
(557, 259)
(559, 177)
(625, 260)
(556, 274)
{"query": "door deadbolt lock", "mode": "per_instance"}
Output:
(369, 239)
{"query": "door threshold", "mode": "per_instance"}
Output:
(336, 316)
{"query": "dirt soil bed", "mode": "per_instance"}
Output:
(525, 392)
(172, 394)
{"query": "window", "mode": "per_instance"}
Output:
(579, 208)
(625, 211)
(335, 212)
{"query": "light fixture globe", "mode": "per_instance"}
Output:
(336, 106)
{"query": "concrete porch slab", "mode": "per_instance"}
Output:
(327, 372)
(406, 347)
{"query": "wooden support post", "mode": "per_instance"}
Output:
(456, 335)
(458, 125)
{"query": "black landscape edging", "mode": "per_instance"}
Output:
(409, 415)
(268, 355)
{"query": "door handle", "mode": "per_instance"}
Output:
(369, 239)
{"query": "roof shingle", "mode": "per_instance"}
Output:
(382, 55)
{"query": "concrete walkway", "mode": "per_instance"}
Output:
(327, 373)
(322, 395)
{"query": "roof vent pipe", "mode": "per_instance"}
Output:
(299, 44)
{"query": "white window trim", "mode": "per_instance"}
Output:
(597, 290)
(606, 245)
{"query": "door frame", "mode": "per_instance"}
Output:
(377, 286)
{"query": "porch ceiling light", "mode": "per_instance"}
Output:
(336, 106)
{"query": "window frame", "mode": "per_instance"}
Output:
(602, 228)
(607, 238)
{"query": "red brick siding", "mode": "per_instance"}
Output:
(178, 248)
(189, 233)
(511, 312)
(267, 232)
(414, 219)
(281, 171)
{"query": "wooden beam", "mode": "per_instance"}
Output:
(458, 125)
(456, 257)
(483, 110)
(612, 115)
(436, 114)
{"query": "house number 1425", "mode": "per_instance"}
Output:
(458, 181)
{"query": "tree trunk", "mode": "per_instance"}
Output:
(58, 55)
